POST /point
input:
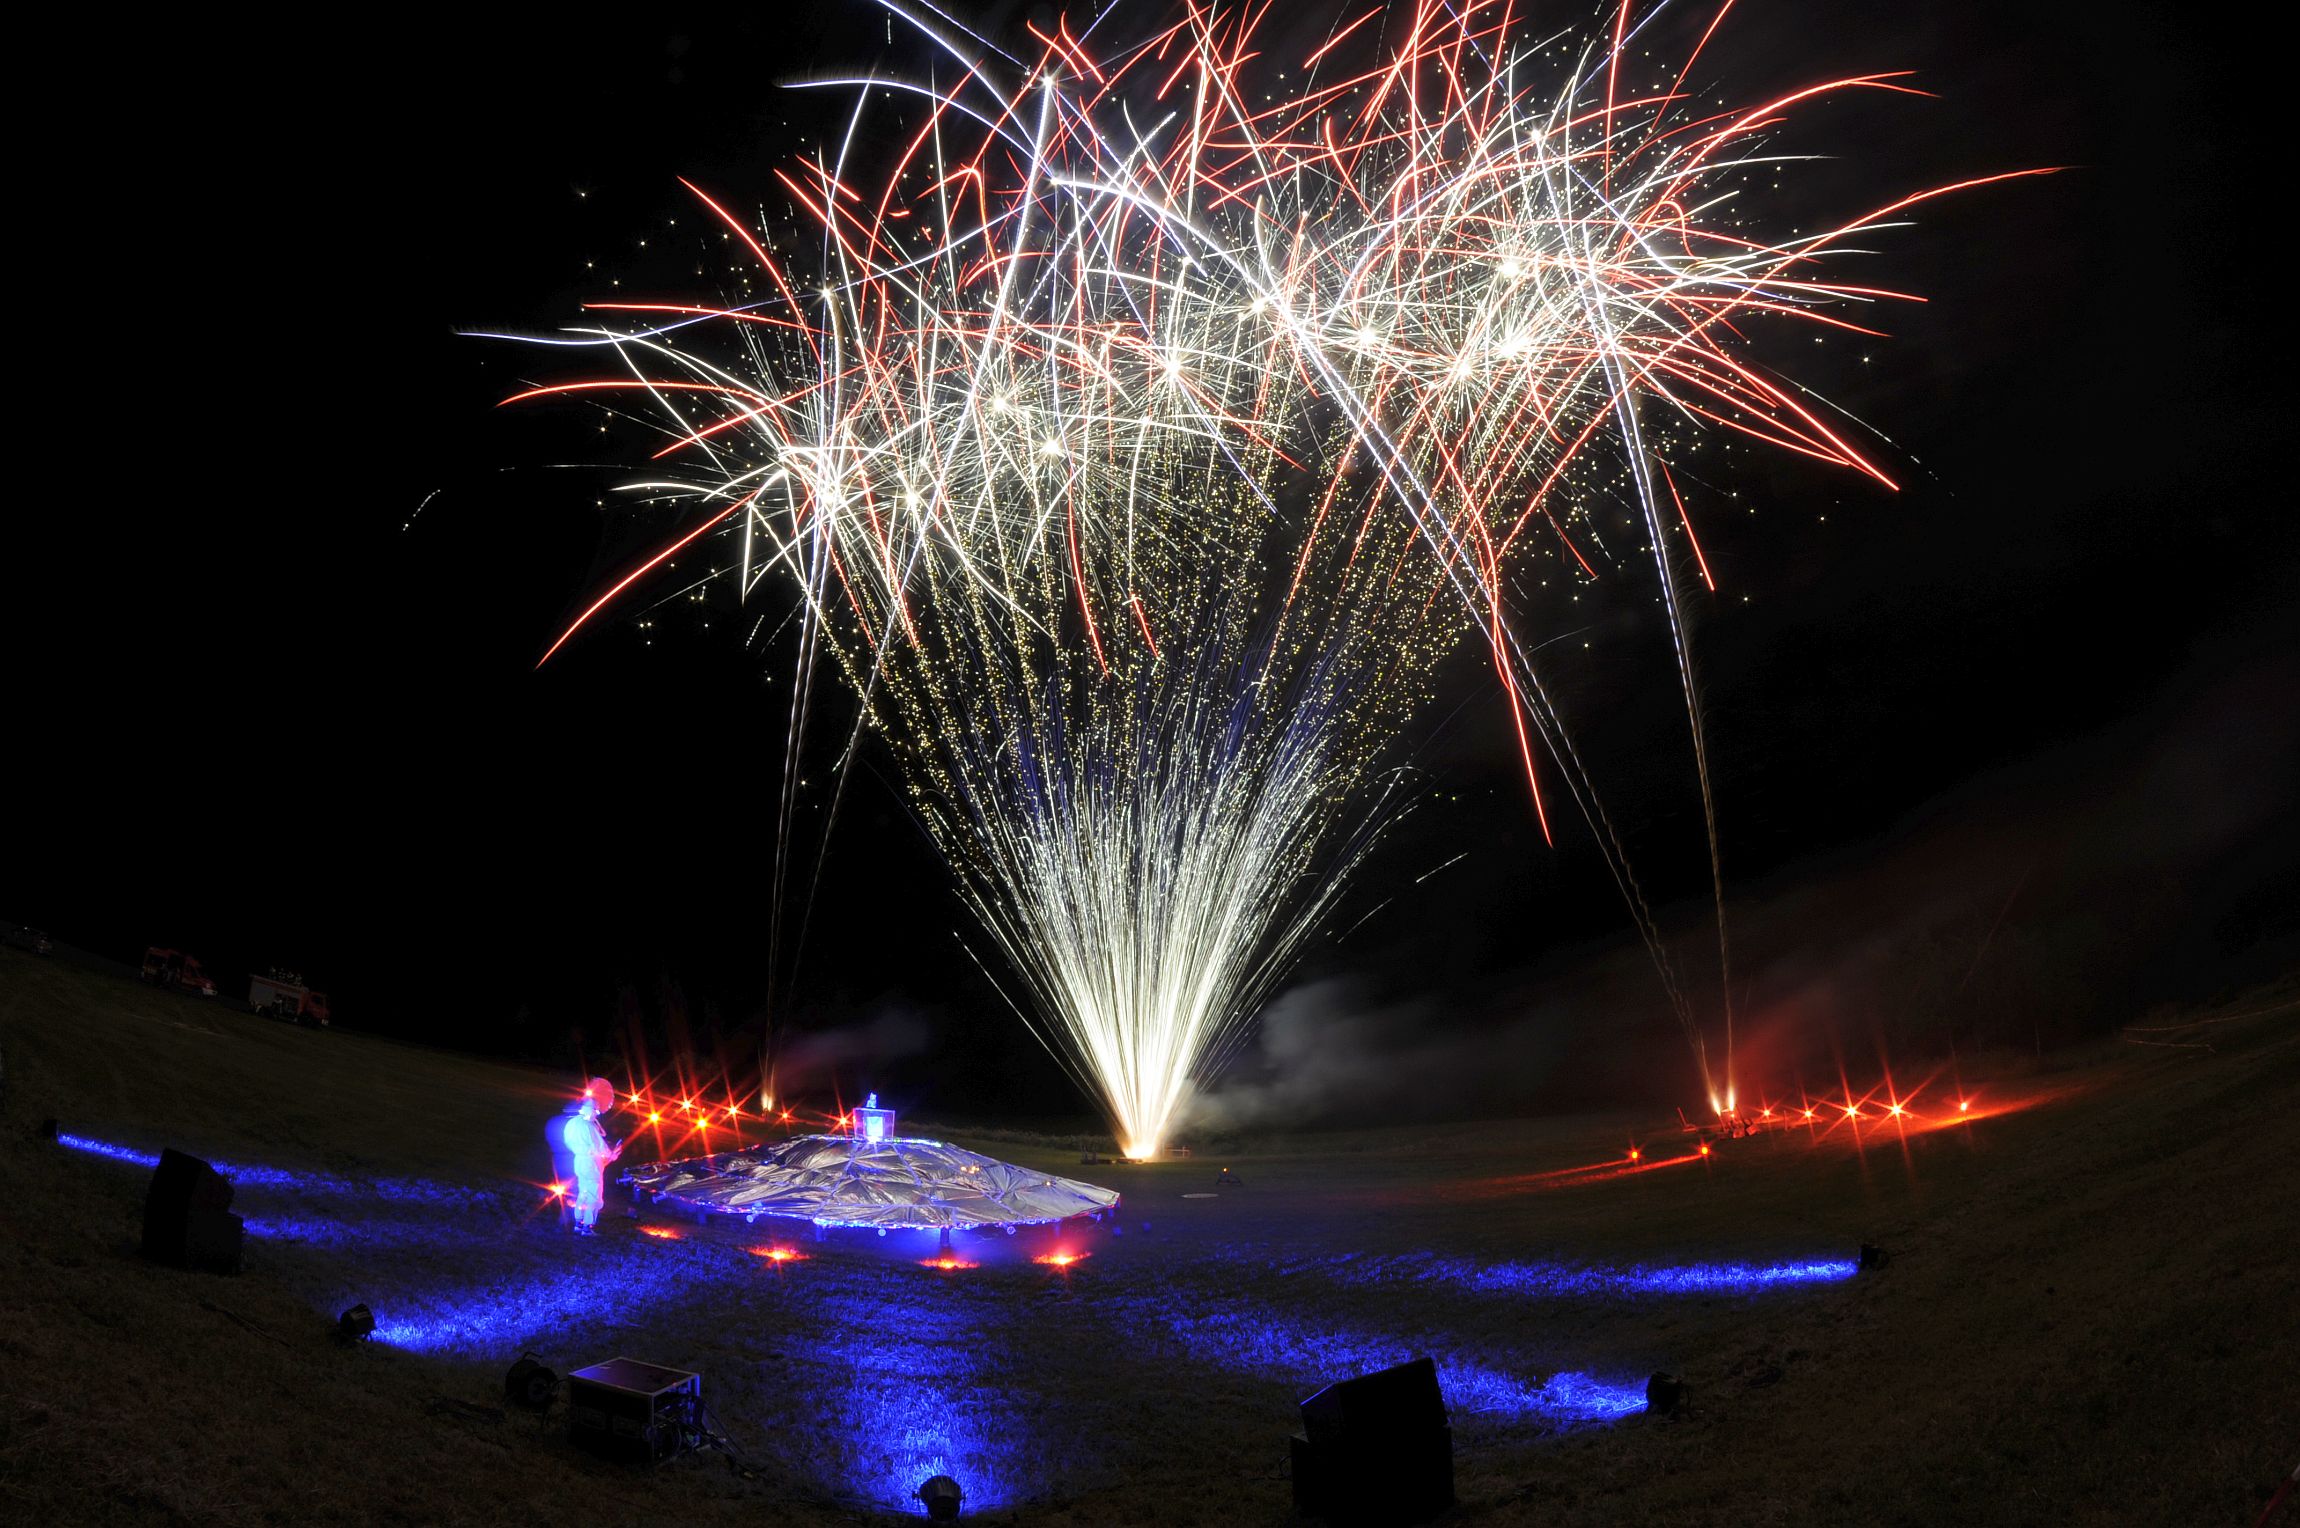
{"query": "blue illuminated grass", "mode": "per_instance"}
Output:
(1311, 1356)
(912, 1397)
(107, 1149)
(903, 1374)
(1597, 1281)
(420, 1191)
(603, 1283)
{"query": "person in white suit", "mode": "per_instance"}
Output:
(589, 1153)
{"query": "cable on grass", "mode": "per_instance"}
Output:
(712, 1432)
(470, 1411)
(714, 1436)
(233, 1315)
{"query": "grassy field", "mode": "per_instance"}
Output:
(2090, 1316)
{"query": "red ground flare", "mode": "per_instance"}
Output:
(1060, 1259)
(1630, 1169)
(946, 1264)
(660, 1233)
(778, 1255)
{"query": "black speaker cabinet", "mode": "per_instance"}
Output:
(187, 1216)
(638, 1413)
(1375, 1450)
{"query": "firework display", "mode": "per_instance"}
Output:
(1136, 437)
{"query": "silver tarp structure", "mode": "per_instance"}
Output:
(891, 1185)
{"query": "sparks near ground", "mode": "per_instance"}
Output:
(1138, 437)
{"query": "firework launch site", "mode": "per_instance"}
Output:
(2083, 1277)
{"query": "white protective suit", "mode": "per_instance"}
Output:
(587, 1146)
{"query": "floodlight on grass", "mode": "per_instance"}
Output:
(941, 1497)
(529, 1384)
(355, 1325)
(1664, 1395)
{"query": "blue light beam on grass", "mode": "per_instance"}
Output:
(1311, 1356)
(1555, 1279)
(914, 1399)
(107, 1149)
(312, 1184)
(618, 1283)
(1559, 1280)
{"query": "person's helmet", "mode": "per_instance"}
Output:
(601, 1092)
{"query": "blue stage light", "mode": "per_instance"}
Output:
(530, 1385)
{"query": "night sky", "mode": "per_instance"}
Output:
(267, 711)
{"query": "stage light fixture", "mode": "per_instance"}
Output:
(1873, 1257)
(355, 1324)
(529, 1384)
(1664, 1395)
(941, 1497)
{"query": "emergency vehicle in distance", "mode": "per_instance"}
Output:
(282, 995)
(173, 968)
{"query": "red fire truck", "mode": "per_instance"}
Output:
(173, 968)
(283, 995)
